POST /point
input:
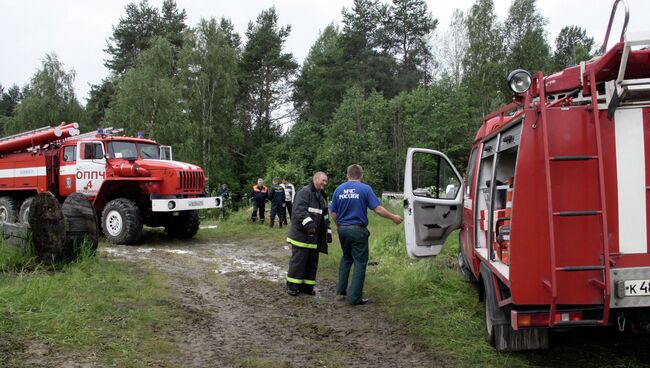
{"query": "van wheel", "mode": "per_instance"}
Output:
(121, 221)
(8, 209)
(23, 214)
(498, 328)
(185, 225)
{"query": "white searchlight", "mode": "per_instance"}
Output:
(519, 80)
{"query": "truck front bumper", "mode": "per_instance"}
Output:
(185, 204)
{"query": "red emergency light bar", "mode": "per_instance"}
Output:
(541, 319)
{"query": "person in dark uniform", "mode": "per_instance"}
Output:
(259, 194)
(349, 210)
(308, 235)
(276, 195)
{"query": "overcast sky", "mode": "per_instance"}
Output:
(77, 30)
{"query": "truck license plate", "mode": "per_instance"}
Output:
(637, 287)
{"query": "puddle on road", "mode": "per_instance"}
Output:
(228, 258)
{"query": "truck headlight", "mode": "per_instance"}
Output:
(519, 80)
(171, 205)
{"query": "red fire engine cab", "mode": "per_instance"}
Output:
(131, 181)
(568, 162)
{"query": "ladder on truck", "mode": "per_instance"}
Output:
(555, 216)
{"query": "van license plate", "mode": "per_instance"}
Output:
(637, 287)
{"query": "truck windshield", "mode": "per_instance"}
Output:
(131, 151)
(125, 150)
(150, 151)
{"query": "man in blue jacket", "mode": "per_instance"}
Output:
(349, 210)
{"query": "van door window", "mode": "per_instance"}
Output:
(433, 177)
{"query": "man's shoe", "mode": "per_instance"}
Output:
(340, 297)
(363, 301)
(293, 292)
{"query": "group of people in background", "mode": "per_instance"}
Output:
(281, 196)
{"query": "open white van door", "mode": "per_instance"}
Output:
(433, 201)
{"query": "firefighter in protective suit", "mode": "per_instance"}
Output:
(309, 234)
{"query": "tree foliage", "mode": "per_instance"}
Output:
(209, 82)
(266, 73)
(572, 46)
(146, 99)
(483, 69)
(526, 37)
(135, 32)
(48, 99)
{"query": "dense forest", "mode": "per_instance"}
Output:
(241, 106)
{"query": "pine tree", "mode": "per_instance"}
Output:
(572, 46)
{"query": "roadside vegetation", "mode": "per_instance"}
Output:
(93, 310)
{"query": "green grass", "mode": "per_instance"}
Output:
(93, 310)
(238, 225)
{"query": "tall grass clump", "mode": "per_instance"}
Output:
(17, 258)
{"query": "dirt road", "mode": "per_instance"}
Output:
(242, 317)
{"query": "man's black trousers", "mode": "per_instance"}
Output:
(258, 206)
(302, 268)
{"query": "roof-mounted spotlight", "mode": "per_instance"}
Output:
(519, 80)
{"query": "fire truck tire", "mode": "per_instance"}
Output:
(498, 328)
(185, 225)
(121, 221)
(23, 214)
(8, 209)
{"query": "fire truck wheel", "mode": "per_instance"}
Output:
(121, 221)
(23, 214)
(497, 322)
(8, 209)
(185, 225)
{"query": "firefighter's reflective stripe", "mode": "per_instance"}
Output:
(301, 244)
(299, 281)
(315, 210)
(295, 281)
(306, 221)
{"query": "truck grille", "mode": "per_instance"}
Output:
(192, 181)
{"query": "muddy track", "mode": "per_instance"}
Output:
(242, 316)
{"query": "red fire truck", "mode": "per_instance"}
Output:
(568, 162)
(131, 181)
